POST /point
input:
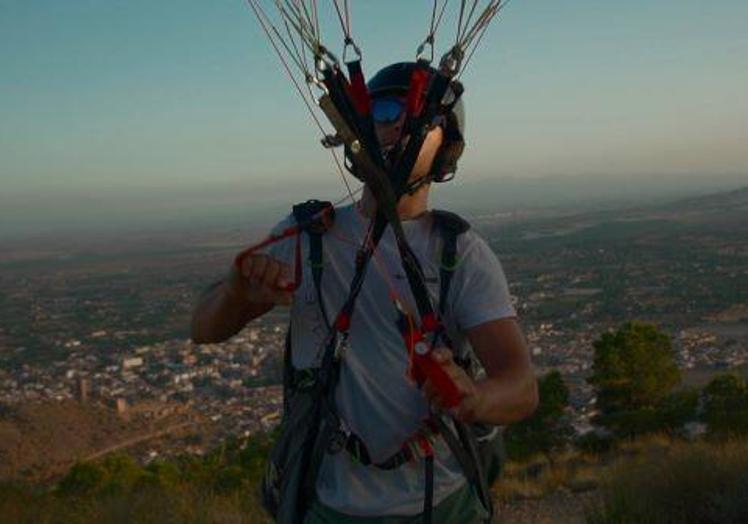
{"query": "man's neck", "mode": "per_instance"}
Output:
(409, 207)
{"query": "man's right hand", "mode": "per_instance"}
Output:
(261, 279)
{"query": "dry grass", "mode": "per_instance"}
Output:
(575, 471)
(683, 483)
(538, 477)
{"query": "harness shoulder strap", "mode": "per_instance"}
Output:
(451, 226)
(315, 217)
(462, 442)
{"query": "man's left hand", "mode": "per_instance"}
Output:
(467, 409)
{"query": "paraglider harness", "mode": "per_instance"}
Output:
(311, 426)
(288, 488)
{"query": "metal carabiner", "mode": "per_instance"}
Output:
(451, 61)
(324, 59)
(350, 43)
(421, 48)
(312, 80)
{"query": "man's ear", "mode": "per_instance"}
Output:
(445, 162)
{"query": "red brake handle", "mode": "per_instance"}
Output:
(429, 368)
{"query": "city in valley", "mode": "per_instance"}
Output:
(94, 334)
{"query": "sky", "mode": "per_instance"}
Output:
(134, 104)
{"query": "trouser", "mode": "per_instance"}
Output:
(461, 507)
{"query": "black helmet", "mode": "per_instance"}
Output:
(395, 79)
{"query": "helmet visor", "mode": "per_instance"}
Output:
(387, 110)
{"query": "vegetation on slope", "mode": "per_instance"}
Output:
(640, 469)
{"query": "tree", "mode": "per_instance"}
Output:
(726, 406)
(548, 429)
(633, 373)
(679, 408)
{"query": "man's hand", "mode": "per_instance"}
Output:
(468, 407)
(260, 279)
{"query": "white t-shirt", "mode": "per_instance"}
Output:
(374, 396)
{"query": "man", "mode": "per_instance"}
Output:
(374, 395)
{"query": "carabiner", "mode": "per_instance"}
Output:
(350, 43)
(421, 48)
(451, 62)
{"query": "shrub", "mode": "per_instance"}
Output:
(82, 479)
(548, 429)
(726, 406)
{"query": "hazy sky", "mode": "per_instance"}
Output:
(100, 96)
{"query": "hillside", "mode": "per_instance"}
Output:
(41, 440)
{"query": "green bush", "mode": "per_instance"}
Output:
(83, 479)
(678, 409)
(726, 406)
(548, 429)
(219, 487)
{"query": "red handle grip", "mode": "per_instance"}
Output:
(429, 368)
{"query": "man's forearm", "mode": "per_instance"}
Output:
(506, 399)
(221, 313)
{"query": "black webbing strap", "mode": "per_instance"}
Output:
(470, 445)
(307, 215)
(455, 446)
(428, 496)
(451, 227)
(386, 189)
(359, 452)
(316, 263)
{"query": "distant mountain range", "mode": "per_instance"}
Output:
(581, 193)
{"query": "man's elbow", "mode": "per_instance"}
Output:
(201, 338)
(200, 333)
(198, 336)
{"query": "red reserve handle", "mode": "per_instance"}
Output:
(427, 367)
(290, 231)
